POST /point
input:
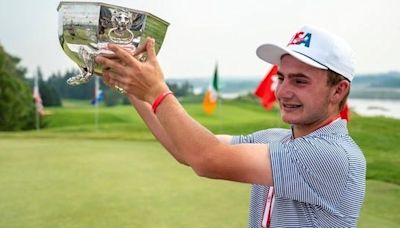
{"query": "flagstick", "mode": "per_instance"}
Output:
(219, 96)
(219, 111)
(37, 119)
(96, 103)
(96, 117)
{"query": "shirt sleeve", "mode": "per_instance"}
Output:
(313, 171)
(239, 139)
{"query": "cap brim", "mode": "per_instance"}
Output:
(272, 53)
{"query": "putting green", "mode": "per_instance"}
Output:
(113, 183)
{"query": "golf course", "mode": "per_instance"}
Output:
(101, 167)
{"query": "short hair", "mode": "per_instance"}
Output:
(334, 79)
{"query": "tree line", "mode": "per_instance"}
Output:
(55, 88)
(17, 107)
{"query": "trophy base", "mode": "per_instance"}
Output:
(81, 78)
(88, 54)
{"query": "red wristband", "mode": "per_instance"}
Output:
(159, 99)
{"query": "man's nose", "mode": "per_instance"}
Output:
(283, 90)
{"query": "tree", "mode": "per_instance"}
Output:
(17, 110)
(83, 91)
(113, 98)
(180, 89)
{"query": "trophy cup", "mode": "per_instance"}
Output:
(86, 28)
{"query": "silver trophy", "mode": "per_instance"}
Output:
(85, 29)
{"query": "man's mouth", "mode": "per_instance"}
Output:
(289, 107)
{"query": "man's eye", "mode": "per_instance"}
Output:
(300, 81)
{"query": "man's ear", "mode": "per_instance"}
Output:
(339, 91)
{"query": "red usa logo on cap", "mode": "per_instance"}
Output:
(301, 38)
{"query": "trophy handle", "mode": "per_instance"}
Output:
(88, 56)
(118, 40)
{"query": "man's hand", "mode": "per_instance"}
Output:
(144, 80)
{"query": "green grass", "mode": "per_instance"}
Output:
(378, 138)
(108, 183)
(381, 207)
(72, 174)
(122, 122)
(93, 183)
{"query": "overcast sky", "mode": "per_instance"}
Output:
(227, 31)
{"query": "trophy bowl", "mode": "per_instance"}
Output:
(86, 28)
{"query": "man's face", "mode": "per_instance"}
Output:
(302, 92)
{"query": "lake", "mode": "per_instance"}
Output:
(363, 107)
(375, 107)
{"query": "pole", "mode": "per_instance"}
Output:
(36, 94)
(96, 102)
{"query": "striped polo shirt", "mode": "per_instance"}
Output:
(319, 179)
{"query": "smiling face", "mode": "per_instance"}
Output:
(304, 96)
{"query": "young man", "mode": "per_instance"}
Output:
(312, 175)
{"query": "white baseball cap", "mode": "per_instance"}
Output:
(316, 47)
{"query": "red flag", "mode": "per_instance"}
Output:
(37, 98)
(345, 114)
(266, 89)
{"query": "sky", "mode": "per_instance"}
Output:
(202, 33)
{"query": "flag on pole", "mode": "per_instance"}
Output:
(266, 89)
(211, 96)
(37, 98)
(98, 93)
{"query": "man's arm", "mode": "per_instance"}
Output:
(159, 132)
(210, 157)
(192, 142)
(153, 124)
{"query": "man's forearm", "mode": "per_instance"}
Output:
(153, 124)
(211, 156)
(192, 141)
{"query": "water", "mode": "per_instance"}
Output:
(375, 107)
(363, 107)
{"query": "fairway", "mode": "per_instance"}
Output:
(73, 174)
(116, 183)
(93, 183)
